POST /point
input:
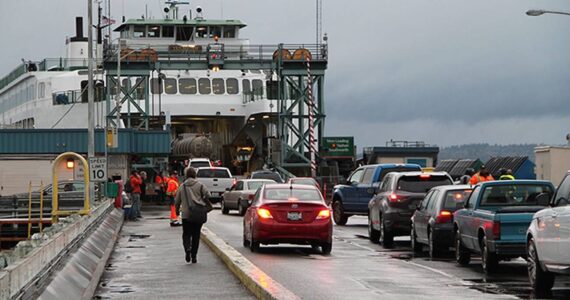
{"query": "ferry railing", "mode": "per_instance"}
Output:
(17, 72)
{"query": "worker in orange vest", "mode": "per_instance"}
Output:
(481, 176)
(171, 189)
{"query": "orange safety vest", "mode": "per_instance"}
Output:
(172, 187)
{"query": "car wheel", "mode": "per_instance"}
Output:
(489, 260)
(416, 246)
(338, 213)
(462, 254)
(326, 248)
(540, 280)
(241, 210)
(225, 210)
(373, 234)
(253, 244)
(434, 251)
(386, 236)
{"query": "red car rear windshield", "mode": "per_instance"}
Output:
(419, 184)
(293, 194)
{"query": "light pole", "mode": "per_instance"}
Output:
(90, 100)
(539, 12)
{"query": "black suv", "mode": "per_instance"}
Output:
(396, 199)
(267, 174)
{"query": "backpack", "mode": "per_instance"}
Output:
(128, 186)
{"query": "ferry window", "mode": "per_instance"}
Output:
(140, 91)
(229, 32)
(204, 86)
(125, 84)
(218, 86)
(246, 86)
(257, 85)
(187, 86)
(155, 88)
(41, 90)
(170, 86)
(154, 31)
(167, 31)
(215, 31)
(124, 34)
(139, 31)
(201, 32)
(232, 86)
(184, 33)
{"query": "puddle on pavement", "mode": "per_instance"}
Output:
(135, 247)
(135, 237)
(520, 289)
(110, 267)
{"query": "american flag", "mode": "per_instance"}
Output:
(107, 21)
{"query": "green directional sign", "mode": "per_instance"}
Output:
(340, 146)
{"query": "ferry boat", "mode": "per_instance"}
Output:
(232, 110)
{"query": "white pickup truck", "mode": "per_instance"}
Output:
(216, 179)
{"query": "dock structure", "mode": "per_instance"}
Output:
(299, 99)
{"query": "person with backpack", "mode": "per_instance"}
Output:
(193, 203)
(135, 182)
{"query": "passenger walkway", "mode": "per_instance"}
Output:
(148, 263)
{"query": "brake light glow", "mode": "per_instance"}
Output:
(424, 176)
(234, 181)
(444, 216)
(264, 213)
(324, 214)
(496, 230)
(393, 198)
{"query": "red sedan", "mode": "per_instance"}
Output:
(288, 213)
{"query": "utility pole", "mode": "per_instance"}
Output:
(90, 103)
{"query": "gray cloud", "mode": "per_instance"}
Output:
(441, 66)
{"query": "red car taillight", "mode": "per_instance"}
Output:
(496, 230)
(324, 214)
(264, 213)
(444, 216)
(393, 198)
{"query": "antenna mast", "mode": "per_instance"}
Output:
(319, 20)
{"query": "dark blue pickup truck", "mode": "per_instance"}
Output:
(352, 198)
(495, 220)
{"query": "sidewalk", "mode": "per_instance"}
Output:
(148, 263)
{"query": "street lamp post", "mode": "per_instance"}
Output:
(539, 12)
(90, 100)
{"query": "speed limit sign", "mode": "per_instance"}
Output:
(98, 169)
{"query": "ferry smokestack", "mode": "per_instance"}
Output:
(79, 27)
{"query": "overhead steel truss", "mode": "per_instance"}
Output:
(287, 64)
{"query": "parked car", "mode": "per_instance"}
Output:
(432, 222)
(352, 198)
(216, 179)
(495, 219)
(284, 213)
(267, 174)
(304, 180)
(240, 195)
(548, 240)
(396, 200)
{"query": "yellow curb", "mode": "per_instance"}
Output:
(255, 280)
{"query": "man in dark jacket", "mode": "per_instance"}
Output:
(193, 191)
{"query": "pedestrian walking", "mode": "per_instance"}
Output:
(481, 176)
(143, 186)
(159, 187)
(135, 181)
(171, 191)
(193, 202)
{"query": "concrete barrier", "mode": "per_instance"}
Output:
(255, 280)
(18, 275)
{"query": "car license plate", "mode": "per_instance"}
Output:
(294, 216)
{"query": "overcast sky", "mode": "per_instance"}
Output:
(444, 72)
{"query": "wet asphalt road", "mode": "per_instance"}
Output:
(360, 269)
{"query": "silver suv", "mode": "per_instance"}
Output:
(548, 240)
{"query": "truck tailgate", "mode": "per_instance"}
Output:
(514, 225)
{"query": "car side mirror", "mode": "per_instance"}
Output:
(543, 199)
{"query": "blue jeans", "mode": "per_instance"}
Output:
(136, 206)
